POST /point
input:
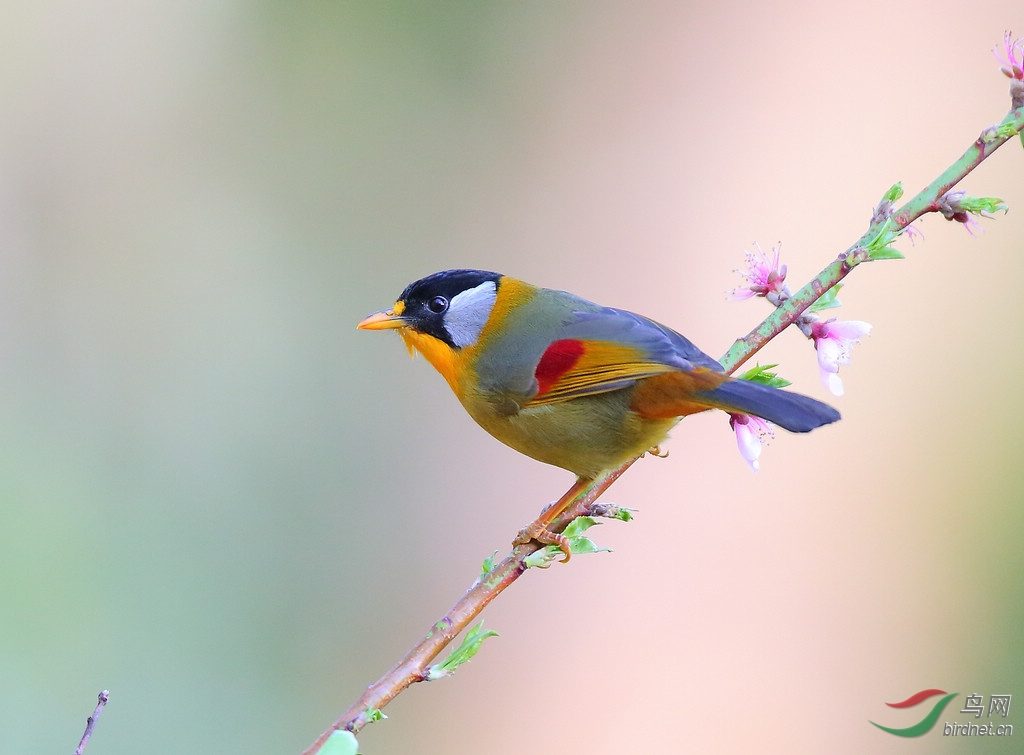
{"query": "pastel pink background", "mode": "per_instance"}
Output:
(234, 511)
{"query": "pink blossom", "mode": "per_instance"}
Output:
(764, 276)
(833, 341)
(1011, 57)
(750, 434)
(956, 206)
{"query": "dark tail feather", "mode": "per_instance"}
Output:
(796, 413)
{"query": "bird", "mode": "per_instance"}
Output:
(568, 382)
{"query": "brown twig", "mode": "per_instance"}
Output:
(487, 587)
(90, 722)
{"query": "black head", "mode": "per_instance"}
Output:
(452, 305)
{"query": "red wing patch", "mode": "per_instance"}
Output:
(558, 359)
(578, 367)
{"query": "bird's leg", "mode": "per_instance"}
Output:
(656, 451)
(538, 529)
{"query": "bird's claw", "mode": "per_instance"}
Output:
(656, 451)
(537, 531)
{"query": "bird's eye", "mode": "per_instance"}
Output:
(437, 305)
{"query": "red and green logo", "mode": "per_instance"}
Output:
(926, 723)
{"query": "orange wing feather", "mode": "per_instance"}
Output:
(572, 367)
(677, 394)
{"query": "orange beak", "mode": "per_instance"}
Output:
(386, 320)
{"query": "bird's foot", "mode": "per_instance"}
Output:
(656, 451)
(538, 531)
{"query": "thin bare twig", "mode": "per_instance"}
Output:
(90, 722)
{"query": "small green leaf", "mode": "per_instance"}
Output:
(828, 300)
(763, 374)
(1006, 130)
(373, 715)
(983, 205)
(877, 247)
(578, 526)
(894, 193)
(488, 564)
(341, 742)
(470, 646)
(543, 557)
(580, 545)
(577, 542)
(886, 253)
(884, 231)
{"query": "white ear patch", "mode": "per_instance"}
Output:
(468, 312)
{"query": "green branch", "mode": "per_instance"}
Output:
(875, 241)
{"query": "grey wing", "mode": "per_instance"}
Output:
(661, 343)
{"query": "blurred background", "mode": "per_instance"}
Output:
(221, 502)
